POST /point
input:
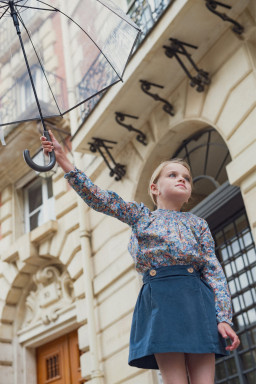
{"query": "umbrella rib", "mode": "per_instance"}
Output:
(56, 9)
(39, 9)
(4, 6)
(4, 12)
(127, 21)
(91, 97)
(38, 58)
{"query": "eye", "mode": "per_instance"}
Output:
(187, 178)
(173, 174)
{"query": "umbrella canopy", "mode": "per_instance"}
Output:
(101, 39)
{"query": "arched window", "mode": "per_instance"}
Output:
(207, 155)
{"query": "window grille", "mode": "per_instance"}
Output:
(236, 252)
(53, 367)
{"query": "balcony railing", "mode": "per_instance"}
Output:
(145, 13)
(18, 102)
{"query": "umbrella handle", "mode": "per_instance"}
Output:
(40, 168)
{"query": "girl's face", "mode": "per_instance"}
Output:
(174, 184)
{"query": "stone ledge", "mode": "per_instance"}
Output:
(44, 231)
(242, 166)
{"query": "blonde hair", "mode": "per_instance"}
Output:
(157, 173)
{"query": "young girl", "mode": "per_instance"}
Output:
(183, 313)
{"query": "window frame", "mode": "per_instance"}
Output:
(46, 208)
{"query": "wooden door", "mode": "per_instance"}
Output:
(58, 362)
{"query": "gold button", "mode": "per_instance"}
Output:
(190, 270)
(152, 272)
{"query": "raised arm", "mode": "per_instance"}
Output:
(107, 202)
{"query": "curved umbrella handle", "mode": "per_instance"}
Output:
(40, 168)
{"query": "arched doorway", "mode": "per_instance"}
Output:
(222, 206)
(45, 328)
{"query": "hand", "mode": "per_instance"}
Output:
(61, 157)
(48, 146)
(226, 331)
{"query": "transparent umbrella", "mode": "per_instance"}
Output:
(33, 75)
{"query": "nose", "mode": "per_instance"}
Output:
(181, 178)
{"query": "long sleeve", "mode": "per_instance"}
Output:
(213, 274)
(107, 202)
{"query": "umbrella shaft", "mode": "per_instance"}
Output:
(14, 17)
(16, 24)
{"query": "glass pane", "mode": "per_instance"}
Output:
(254, 273)
(244, 341)
(252, 316)
(234, 381)
(248, 298)
(49, 187)
(247, 238)
(251, 256)
(235, 246)
(228, 270)
(224, 254)
(251, 377)
(241, 321)
(34, 220)
(35, 198)
(231, 366)
(232, 287)
(236, 304)
(240, 263)
(220, 371)
(247, 360)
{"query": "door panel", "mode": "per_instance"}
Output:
(74, 358)
(58, 362)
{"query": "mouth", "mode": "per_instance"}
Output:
(181, 185)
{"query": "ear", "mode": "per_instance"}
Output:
(154, 189)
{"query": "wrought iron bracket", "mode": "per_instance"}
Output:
(120, 117)
(176, 49)
(102, 146)
(146, 86)
(212, 5)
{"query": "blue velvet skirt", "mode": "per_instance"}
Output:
(175, 312)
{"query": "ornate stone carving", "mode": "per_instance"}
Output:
(53, 292)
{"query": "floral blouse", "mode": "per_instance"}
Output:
(162, 238)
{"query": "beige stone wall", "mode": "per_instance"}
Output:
(228, 105)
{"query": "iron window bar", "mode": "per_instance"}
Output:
(102, 146)
(177, 48)
(146, 86)
(120, 117)
(212, 5)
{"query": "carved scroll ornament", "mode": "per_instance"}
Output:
(54, 291)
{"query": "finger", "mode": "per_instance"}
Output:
(47, 146)
(235, 344)
(223, 333)
(51, 135)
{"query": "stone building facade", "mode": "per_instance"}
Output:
(69, 274)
